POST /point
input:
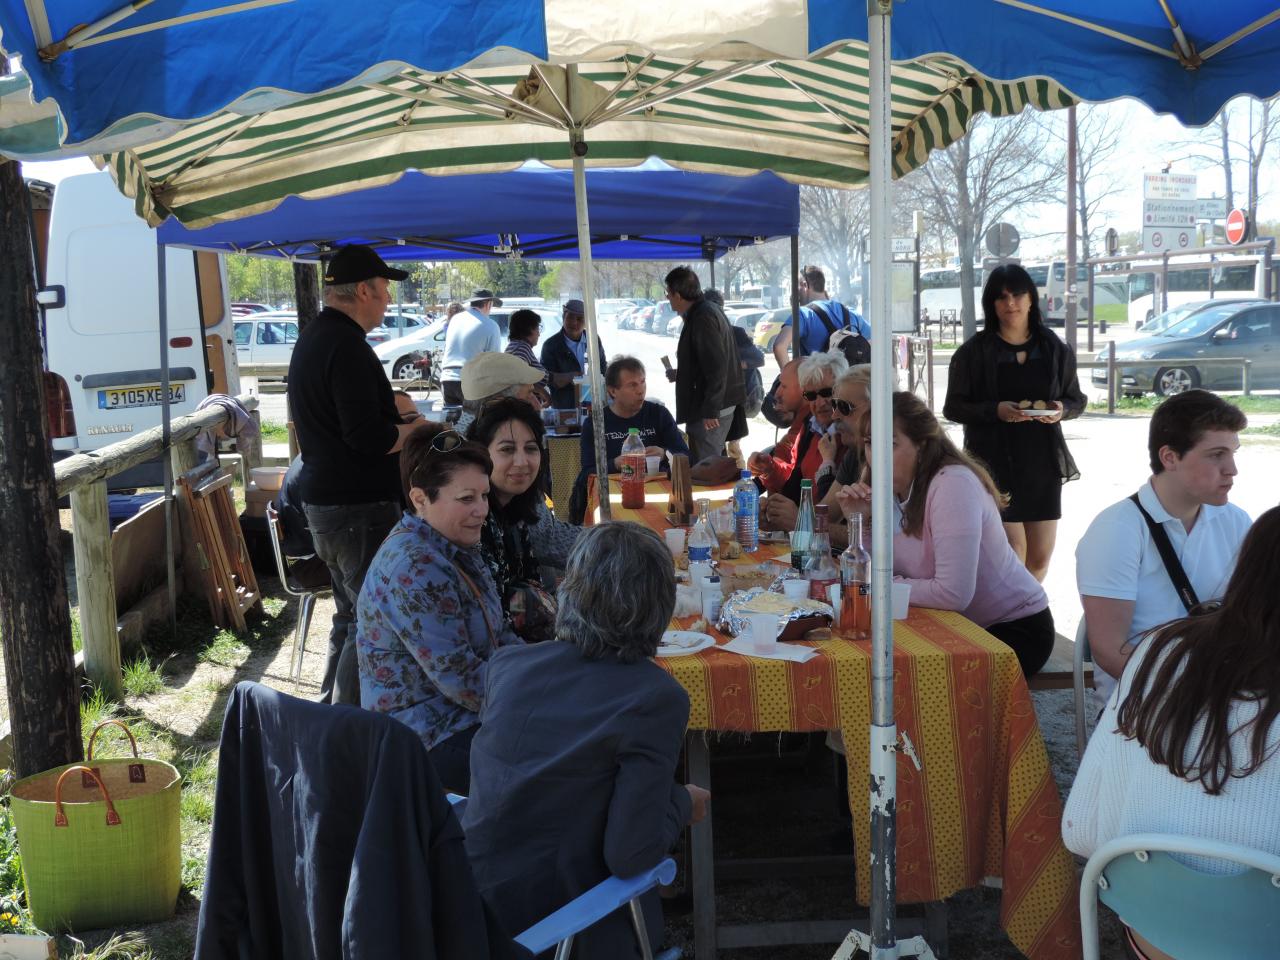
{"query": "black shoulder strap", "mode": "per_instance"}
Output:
(1172, 566)
(826, 321)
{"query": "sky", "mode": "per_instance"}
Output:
(1147, 143)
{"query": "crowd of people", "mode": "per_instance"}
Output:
(541, 703)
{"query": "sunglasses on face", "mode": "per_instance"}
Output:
(812, 395)
(842, 407)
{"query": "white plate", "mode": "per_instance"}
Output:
(681, 643)
(1037, 413)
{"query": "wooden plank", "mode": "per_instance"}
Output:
(137, 557)
(96, 589)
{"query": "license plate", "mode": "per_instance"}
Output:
(149, 395)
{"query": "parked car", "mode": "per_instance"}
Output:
(265, 337)
(409, 356)
(1226, 328)
(663, 318)
(769, 326)
(1173, 315)
(244, 308)
(747, 319)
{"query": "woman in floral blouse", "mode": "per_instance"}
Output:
(429, 615)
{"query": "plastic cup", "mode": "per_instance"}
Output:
(675, 541)
(764, 629)
(901, 600)
(652, 464)
(795, 589)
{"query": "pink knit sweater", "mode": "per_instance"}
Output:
(962, 560)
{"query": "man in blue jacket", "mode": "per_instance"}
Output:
(564, 355)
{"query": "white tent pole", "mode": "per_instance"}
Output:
(884, 733)
(166, 417)
(579, 148)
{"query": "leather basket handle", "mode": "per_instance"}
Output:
(60, 817)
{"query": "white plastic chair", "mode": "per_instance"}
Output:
(1080, 656)
(307, 595)
(1185, 912)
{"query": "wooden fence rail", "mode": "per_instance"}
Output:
(84, 477)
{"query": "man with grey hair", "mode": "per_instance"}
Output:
(799, 455)
(350, 432)
(470, 332)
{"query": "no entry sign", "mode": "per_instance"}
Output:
(1237, 225)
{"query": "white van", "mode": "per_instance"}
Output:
(101, 322)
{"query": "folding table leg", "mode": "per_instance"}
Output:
(703, 881)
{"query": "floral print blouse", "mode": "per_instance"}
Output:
(422, 638)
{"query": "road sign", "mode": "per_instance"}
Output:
(1168, 213)
(1002, 239)
(901, 245)
(1169, 186)
(1211, 208)
(1160, 239)
(1237, 225)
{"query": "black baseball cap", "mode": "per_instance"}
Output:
(356, 263)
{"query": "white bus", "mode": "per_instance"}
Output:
(940, 290)
(1193, 280)
(1108, 290)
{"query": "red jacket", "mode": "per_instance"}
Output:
(783, 459)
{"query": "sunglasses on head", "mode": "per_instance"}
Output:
(842, 407)
(812, 395)
(447, 441)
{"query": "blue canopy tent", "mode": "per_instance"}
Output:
(650, 212)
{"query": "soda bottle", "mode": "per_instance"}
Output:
(821, 570)
(702, 541)
(746, 513)
(632, 464)
(855, 589)
(805, 523)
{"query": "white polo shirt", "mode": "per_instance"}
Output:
(1117, 559)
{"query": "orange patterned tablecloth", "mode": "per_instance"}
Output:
(984, 803)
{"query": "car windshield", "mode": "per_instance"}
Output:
(1201, 322)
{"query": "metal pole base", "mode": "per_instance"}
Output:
(858, 942)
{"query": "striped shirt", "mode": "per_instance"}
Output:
(521, 349)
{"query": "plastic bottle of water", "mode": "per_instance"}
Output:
(746, 513)
(702, 541)
(632, 463)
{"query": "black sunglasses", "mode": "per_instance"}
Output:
(842, 407)
(812, 395)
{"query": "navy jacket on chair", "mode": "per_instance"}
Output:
(572, 780)
(332, 838)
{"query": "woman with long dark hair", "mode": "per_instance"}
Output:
(948, 542)
(1010, 386)
(1189, 744)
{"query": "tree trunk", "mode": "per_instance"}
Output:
(1223, 127)
(35, 619)
(306, 292)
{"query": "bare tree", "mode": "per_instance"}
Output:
(1240, 134)
(997, 168)
(1097, 139)
(834, 225)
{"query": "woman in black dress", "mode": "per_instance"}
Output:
(1015, 361)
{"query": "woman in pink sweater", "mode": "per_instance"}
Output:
(950, 544)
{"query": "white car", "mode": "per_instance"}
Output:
(266, 337)
(400, 355)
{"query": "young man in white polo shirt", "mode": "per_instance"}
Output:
(1125, 587)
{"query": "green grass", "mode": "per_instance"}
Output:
(1114, 314)
(141, 678)
(226, 650)
(77, 641)
(1147, 403)
(1271, 430)
(274, 432)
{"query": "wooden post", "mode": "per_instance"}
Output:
(35, 618)
(96, 587)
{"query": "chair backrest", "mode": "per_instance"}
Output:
(1186, 912)
(1079, 657)
(564, 455)
(277, 551)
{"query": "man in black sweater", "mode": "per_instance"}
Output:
(349, 431)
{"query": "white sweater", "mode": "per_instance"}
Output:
(1119, 791)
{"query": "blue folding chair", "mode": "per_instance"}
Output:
(560, 928)
(1185, 912)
